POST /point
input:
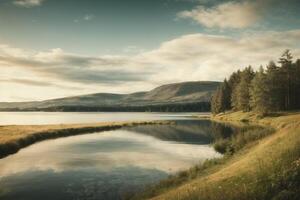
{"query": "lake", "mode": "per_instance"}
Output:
(42, 118)
(105, 165)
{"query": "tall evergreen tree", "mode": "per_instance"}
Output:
(275, 87)
(287, 71)
(294, 86)
(297, 91)
(259, 92)
(242, 90)
(233, 82)
(226, 97)
(221, 99)
(215, 106)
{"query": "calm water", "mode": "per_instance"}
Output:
(38, 118)
(105, 165)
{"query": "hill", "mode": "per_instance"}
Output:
(171, 94)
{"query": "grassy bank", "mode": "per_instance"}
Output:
(267, 167)
(15, 137)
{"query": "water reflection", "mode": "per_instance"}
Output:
(183, 131)
(103, 151)
(104, 165)
(222, 131)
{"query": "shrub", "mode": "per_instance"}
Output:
(241, 138)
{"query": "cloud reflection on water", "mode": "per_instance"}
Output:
(105, 151)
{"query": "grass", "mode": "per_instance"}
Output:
(15, 137)
(264, 165)
(178, 179)
(240, 138)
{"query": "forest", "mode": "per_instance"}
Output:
(172, 107)
(271, 89)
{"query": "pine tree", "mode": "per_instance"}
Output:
(294, 86)
(226, 96)
(243, 96)
(215, 102)
(275, 87)
(259, 93)
(242, 90)
(286, 70)
(233, 82)
(297, 91)
(221, 99)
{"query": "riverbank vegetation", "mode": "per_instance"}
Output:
(274, 89)
(15, 137)
(266, 168)
(240, 138)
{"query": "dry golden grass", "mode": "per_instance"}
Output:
(15, 132)
(233, 179)
(15, 137)
(278, 121)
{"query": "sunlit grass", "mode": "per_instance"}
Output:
(269, 168)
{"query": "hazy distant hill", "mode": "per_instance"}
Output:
(177, 93)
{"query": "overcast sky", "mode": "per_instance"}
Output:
(58, 48)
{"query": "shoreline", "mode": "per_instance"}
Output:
(15, 137)
(245, 170)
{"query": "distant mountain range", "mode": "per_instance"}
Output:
(166, 96)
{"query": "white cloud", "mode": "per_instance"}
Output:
(211, 57)
(88, 17)
(187, 58)
(131, 49)
(28, 3)
(226, 15)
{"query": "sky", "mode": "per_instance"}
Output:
(57, 48)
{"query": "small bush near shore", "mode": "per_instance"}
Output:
(241, 138)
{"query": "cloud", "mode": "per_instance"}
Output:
(131, 49)
(76, 68)
(36, 83)
(28, 3)
(226, 15)
(213, 57)
(26, 82)
(88, 17)
(187, 58)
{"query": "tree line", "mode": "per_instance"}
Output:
(271, 89)
(174, 107)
